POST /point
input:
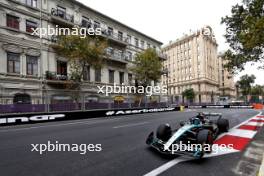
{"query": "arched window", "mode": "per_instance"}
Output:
(22, 99)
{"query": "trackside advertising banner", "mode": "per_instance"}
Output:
(44, 117)
(218, 106)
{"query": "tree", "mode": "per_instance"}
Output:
(81, 52)
(244, 33)
(189, 94)
(147, 67)
(257, 90)
(245, 83)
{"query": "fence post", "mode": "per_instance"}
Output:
(83, 102)
(109, 103)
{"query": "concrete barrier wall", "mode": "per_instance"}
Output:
(45, 117)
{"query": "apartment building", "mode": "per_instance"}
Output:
(227, 86)
(193, 63)
(31, 72)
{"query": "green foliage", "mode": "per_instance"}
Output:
(245, 34)
(189, 94)
(245, 84)
(147, 67)
(257, 90)
(81, 52)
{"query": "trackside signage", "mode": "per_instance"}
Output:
(217, 106)
(36, 118)
(9, 119)
(136, 111)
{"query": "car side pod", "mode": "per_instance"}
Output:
(150, 138)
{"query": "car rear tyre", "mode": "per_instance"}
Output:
(223, 125)
(164, 132)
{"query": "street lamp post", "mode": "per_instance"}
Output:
(166, 73)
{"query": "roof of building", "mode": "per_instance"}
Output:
(118, 22)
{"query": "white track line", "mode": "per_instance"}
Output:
(131, 125)
(172, 163)
(43, 126)
(166, 166)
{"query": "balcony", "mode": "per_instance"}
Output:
(162, 56)
(61, 17)
(116, 55)
(53, 76)
(115, 38)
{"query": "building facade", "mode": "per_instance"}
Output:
(30, 70)
(227, 86)
(193, 63)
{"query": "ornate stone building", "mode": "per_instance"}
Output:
(193, 63)
(30, 71)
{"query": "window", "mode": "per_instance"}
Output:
(110, 31)
(118, 54)
(96, 24)
(128, 38)
(62, 68)
(32, 65)
(13, 63)
(86, 22)
(120, 35)
(129, 55)
(61, 12)
(121, 77)
(97, 73)
(142, 43)
(110, 51)
(111, 76)
(136, 42)
(12, 21)
(30, 25)
(86, 74)
(148, 45)
(32, 3)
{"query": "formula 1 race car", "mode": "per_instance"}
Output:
(198, 134)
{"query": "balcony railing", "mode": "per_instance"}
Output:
(115, 55)
(54, 76)
(115, 37)
(162, 55)
(63, 15)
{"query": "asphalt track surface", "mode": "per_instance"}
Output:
(124, 151)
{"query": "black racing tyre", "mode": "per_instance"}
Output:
(223, 125)
(164, 132)
(205, 137)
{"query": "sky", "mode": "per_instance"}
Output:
(167, 20)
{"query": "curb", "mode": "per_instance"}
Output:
(261, 169)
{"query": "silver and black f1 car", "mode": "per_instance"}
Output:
(200, 130)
